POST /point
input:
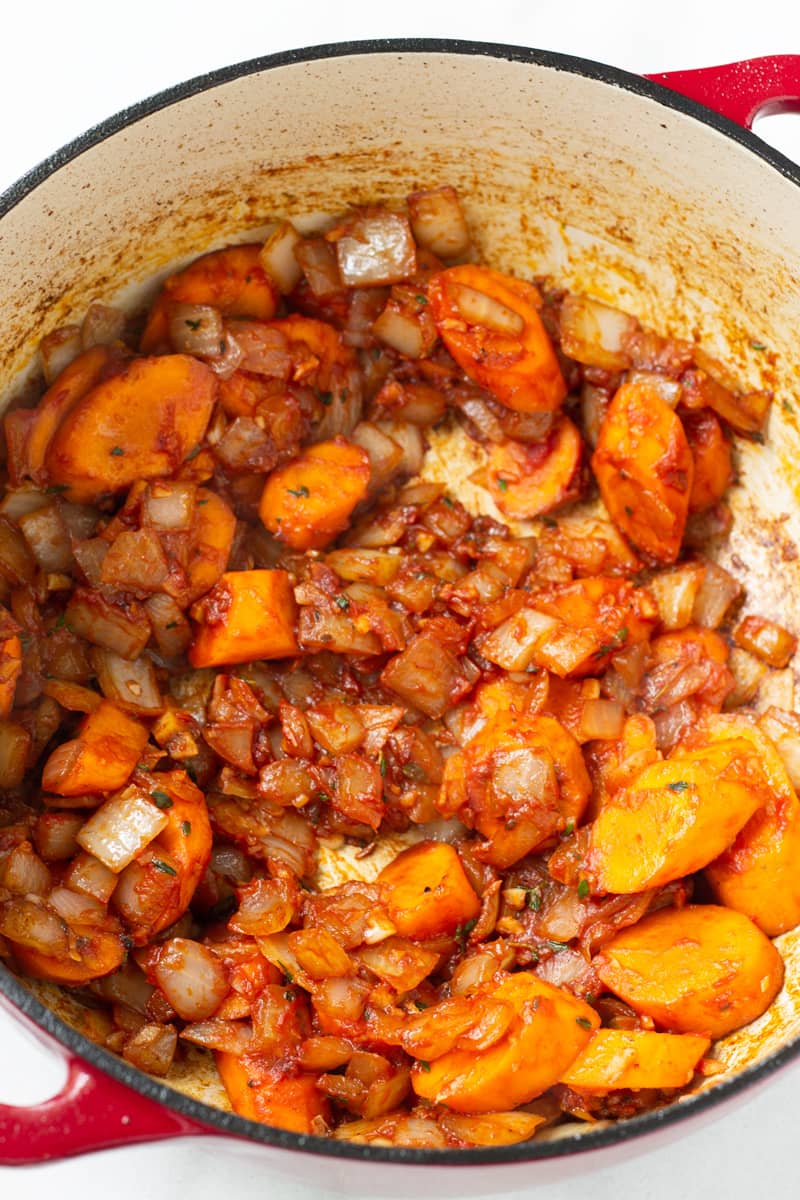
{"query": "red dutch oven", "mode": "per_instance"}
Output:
(651, 193)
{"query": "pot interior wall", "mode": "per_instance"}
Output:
(601, 189)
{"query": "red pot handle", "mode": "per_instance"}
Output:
(743, 90)
(91, 1112)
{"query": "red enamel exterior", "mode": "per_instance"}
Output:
(743, 90)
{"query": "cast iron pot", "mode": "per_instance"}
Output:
(662, 203)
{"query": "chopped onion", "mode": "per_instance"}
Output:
(19, 501)
(171, 630)
(278, 257)
(748, 671)
(385, 456)
(675, 592)
(325, 1053)
(366, 305)
(76, 908)
(152, 1048)
(191, 977)
(17, 564)
(601, 720)
(319, 954)
(15, 745)
(265, 906)
(522, 774)
(376, 248)
(364, 566)
(715, 595)
(769, 641)
(121, 828)
(594, 405)
(265, 349)
(410, 440)
(438, 223)
(231, 1037)
(127, 986)
(341, 999)
(668, 390)
(103, 623)
(135, 561)
(246, 447)
(48, 539)
(776, 690)
(28, 923)
(169, 505)
(318, 630)
(401, 330)
(58, 349)
(102, 326)
(595, 334)
(89, 556)
(491, 1129)
(23, 872)
(513, 644)
(71, 696)
(318, 261)
(131, 685)
(196, 329)
(55, 835)
(336, 727)
(87, 874)
(478, 308)
(783, 728)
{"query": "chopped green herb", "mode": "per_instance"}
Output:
(171, 625)
(680, 785)
(535, 898)
(589, 998)
(557, 947)
(117, 451)
(165, 867)
(463, 931)
(186, 828)
(550, 522)
(446, 500)
(142, 767)
(161, 799)
(60, 621)
(569, 828)
(757, 437)
(367, 1013)
(322, 796)
(757, 346)
(426, 1066)
(290, 995)
(326, 398)
(421, 299)
(193, 324)
(628, 510)
(787, 406)
(583, 889)
(584, 1022)
(288, 976)
(193, 453)
(502, 484)
(343, 602)
(382, 764)
(301, 491)
(413, 770)
(55, 489)
(200, 503)
(420, 1005)
(618, 639)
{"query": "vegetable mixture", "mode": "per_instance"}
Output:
(242, 629)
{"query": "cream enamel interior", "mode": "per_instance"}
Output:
(602, 189)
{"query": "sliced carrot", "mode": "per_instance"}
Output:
(519, 781)
(675, 817)
(139, 424)
(427, 891)
(635, 1058)
(549, 1030)
(711, 452)
(700, 969)
(758, 873)
(527, 479)
(267, 1091)
(100, 759)
(490, 324)
(231, 280)
(309, 501)
(214, 527)
(65, 392)
(10, 667)
(247, 615)
(645, 471)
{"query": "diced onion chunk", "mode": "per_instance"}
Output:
(121, 828)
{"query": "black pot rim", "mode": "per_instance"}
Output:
(228, 1123)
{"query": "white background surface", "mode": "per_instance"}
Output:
(67, 66)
